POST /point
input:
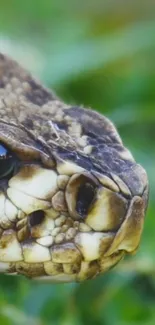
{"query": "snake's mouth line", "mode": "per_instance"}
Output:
(66, 224)
(49, 245)
(66, 228)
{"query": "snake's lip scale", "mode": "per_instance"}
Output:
(72, 197)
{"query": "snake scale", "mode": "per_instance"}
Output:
(72, 197)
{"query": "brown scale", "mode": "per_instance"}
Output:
(86, 154)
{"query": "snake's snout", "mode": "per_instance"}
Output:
(135, 180)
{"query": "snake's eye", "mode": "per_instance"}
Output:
(7, 162)
(80, 195)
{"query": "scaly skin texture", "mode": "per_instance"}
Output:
(76, 201)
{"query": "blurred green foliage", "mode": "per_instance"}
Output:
(100, 54)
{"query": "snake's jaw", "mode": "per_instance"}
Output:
(73, 203)
(68, 228)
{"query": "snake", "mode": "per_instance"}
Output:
(72, 198)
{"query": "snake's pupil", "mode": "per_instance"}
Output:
(85, 198)
(7, 162)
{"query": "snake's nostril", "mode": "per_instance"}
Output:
(85, 196)
(36, 218)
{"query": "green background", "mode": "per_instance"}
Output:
(100, 54)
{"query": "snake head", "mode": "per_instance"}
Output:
(72, 197)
